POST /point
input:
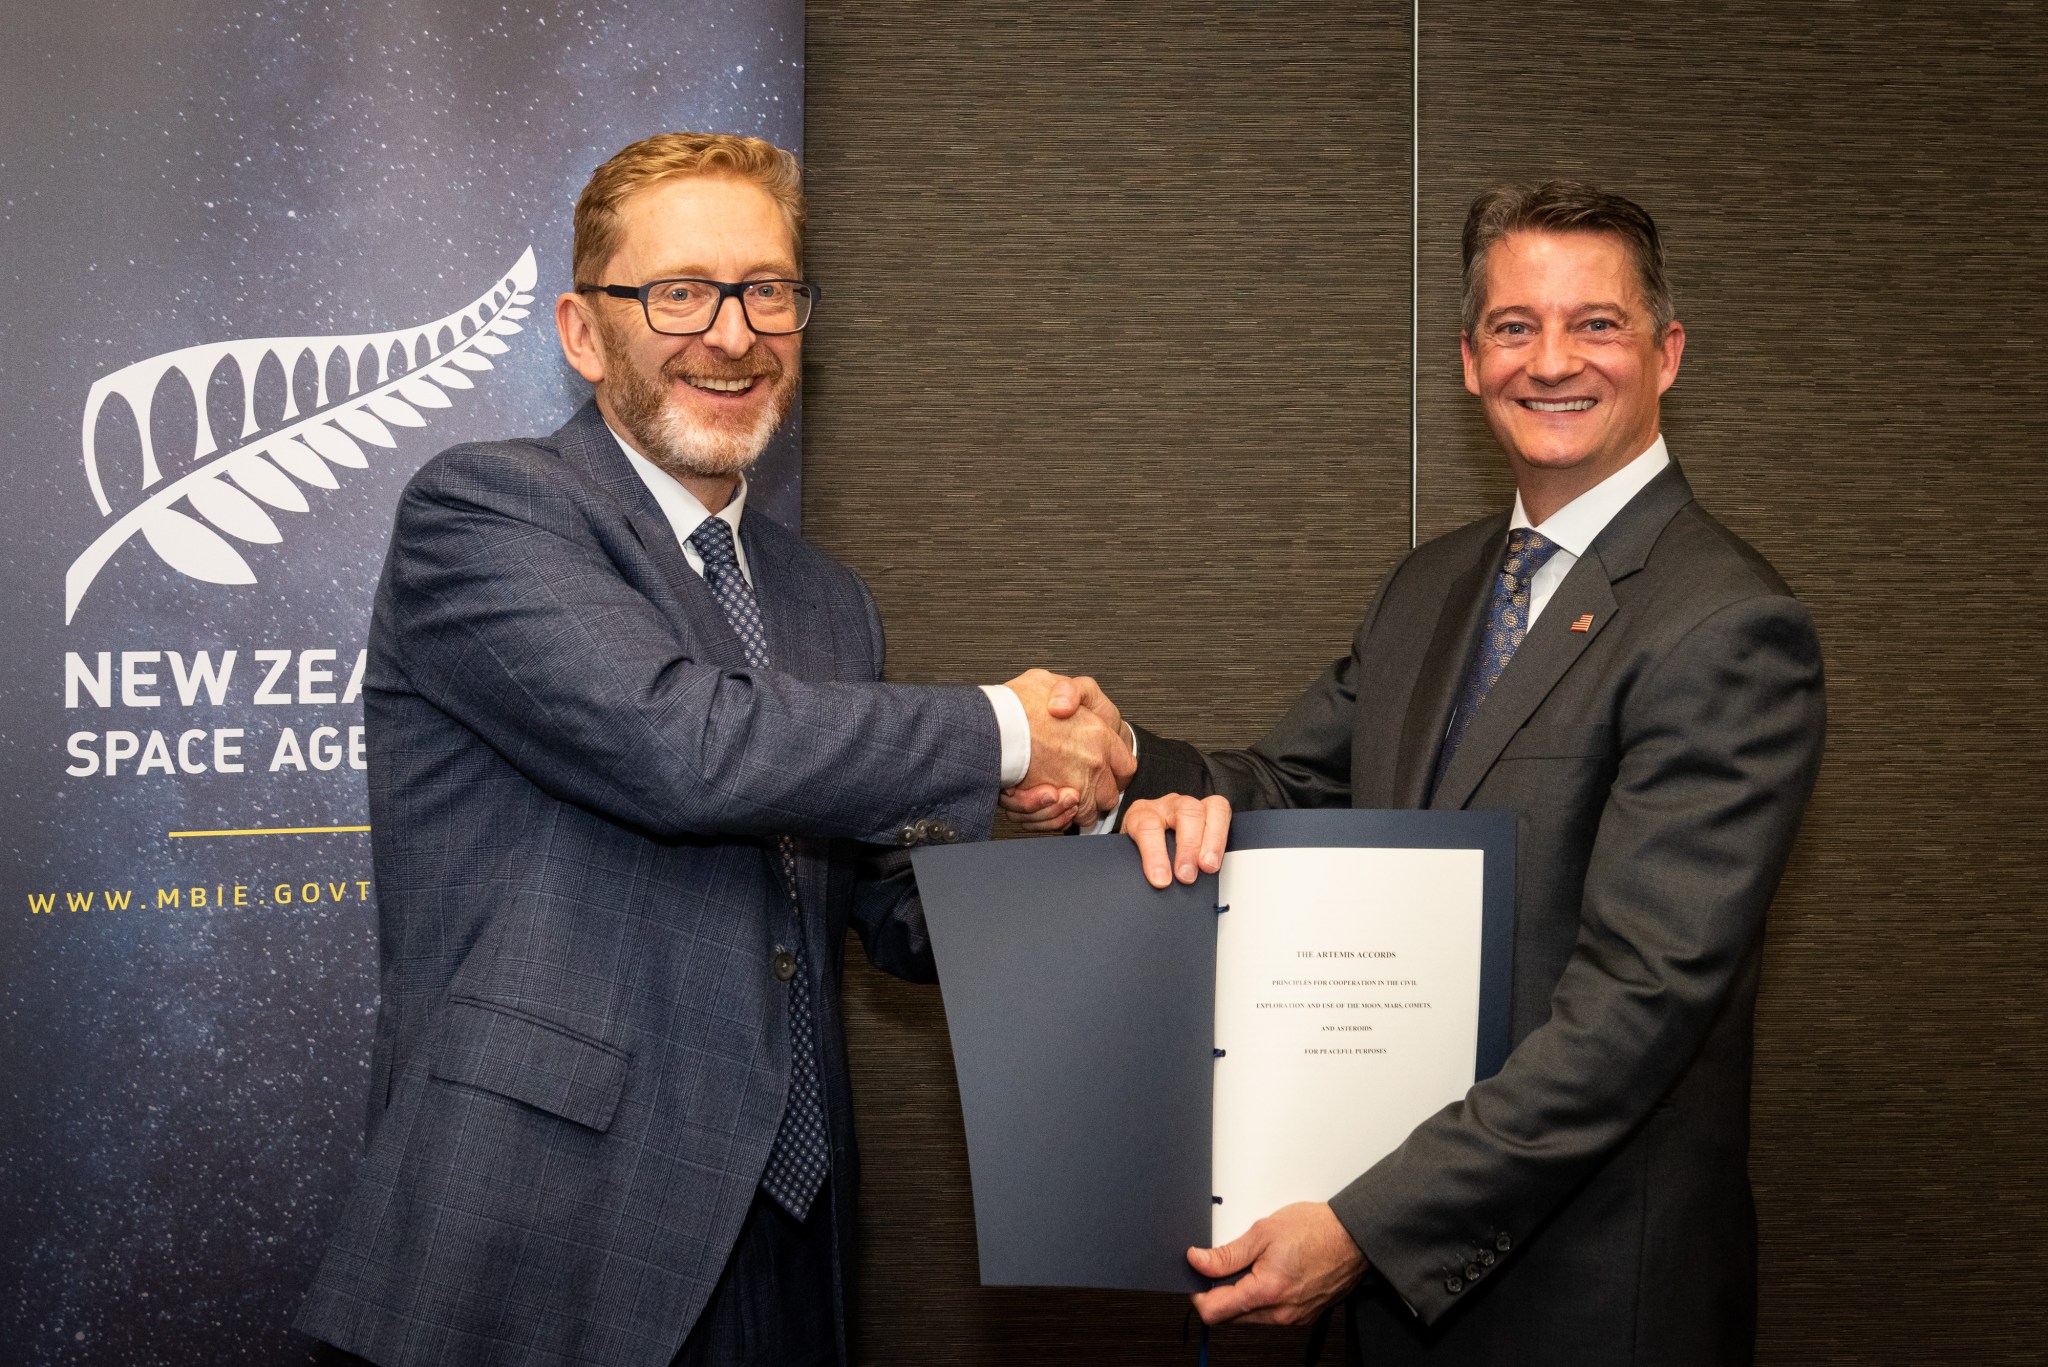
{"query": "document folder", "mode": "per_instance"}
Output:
(1146, 1070)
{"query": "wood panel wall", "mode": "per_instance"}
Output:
(1112, 376)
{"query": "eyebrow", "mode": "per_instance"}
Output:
(767, 270)
(1495, 315)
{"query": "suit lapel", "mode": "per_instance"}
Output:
(1442, 671)
(1552, 647)
(798, 636)
(588, 445)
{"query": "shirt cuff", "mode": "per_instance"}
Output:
(1107, 825)
(1015, 729)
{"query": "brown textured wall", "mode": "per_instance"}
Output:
(1061, 411)
(1852, 197)
(1088, 267)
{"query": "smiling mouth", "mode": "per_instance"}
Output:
(716, 386)
(1561, 406)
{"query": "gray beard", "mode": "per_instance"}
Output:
(679, 443)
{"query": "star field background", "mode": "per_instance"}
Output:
(183, 1088)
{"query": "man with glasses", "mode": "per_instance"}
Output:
(632, 776)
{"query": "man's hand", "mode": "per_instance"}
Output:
(1044, 808)
(1201, 826)
(1300, 1259)
(1078, 752)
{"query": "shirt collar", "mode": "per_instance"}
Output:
(1574, 526)
(684, 513)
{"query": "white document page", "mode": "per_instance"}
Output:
(1347, 1007)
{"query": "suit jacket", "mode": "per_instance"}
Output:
(582, 1051)
(1590, 1204)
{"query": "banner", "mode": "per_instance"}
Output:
(264, 261)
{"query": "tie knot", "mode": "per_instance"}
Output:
(713, 541)
(1528, 551)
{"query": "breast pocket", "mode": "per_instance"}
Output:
(528, 1059)
(1560, 742)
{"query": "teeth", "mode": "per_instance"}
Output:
(722, 386)
(1571, 406)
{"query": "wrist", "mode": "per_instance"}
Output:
(1013, 729)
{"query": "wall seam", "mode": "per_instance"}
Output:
(1414, 274)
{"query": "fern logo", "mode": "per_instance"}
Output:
(182, 521)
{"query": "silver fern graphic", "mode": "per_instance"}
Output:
(182, 521)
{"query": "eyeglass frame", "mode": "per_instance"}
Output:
(727, 289)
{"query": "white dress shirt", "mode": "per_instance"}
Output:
(685, 514)
(1574, 526)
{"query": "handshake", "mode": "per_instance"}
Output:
(1082, 753)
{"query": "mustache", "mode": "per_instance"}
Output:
(755, 365)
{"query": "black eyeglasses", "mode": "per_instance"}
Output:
(684, 308)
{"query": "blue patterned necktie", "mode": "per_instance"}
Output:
(1507, 622)
(800, 1159)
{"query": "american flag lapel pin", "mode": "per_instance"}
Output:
(1584, 623)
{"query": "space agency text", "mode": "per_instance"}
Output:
(150, 681)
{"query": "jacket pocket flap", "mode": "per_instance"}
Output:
(1560, 742)
(530, 1060)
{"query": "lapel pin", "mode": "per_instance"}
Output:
(1584, 623)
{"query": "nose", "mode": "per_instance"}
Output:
(1553, 359)
(729, 331)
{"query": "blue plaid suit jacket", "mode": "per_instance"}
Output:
(581, 1051)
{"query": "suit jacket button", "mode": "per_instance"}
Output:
(1502, 1242)
(785, 965)
(907, 837)
(1472, 1271)
(942, 833)
(1487, 1258)
(1454, 1284)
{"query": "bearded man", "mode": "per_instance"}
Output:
(632, 777)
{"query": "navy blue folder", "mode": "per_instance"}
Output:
(1080, 1000)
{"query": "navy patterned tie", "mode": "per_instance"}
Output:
(1507, 622)
(800, 1159)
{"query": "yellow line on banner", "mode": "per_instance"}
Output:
(272, 830)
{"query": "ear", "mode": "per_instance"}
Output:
(578, 331)
(1670, 347)
(1470, 354)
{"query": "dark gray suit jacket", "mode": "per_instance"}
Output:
(582, 1051)
(1590, 1204)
